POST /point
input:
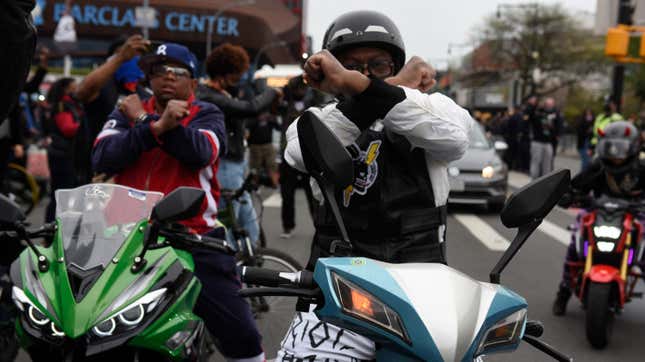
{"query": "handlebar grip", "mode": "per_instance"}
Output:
(534, 328)
(275, 278)
(265, 277)
(217, 244)
(307, 279)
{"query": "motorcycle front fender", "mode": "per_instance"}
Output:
(604, 274)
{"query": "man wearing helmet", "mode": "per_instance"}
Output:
(616, 172)
(401, 140)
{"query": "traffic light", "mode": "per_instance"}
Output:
(641, 50)
(617, 43)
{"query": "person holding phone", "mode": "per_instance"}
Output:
(173, 140)
(100, 90)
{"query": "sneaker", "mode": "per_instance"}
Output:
(561, 300)
(286, 234)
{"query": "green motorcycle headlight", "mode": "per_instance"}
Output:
(55, 331)
(131, 315)
(33, 315)
(36, 316)
(105, 328)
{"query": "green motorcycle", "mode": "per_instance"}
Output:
(117, 280)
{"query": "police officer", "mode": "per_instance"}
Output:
(401, 140)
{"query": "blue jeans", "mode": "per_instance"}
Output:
(231, 176)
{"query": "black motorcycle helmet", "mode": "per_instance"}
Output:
(619, 146)
(365, 29)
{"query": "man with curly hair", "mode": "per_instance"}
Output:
(225, 66)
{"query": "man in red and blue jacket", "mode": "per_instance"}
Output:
(174, 140)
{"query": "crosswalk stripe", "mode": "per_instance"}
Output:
(483, 232)
(555, 232)
(274, 200)
(517, 179)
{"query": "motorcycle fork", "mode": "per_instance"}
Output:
(624, 265)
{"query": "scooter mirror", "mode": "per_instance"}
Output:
(181, 204)
(535, 200)
(10, 213)
(323, 153)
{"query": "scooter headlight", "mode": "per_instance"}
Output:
(506, 332)
(357, 302)
(131, 315)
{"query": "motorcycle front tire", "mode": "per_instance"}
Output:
(600, 316)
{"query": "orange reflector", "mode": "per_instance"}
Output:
(362, 303)
(503, 331)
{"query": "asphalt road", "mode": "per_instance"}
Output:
(475, 238)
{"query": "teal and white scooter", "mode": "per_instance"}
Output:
(416, 311)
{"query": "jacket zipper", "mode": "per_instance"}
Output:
(147, 186)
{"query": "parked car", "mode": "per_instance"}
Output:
(480, 177)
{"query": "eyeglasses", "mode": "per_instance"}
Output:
(378, 68)
(159, 70)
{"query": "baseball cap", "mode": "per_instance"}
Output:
(169, 52)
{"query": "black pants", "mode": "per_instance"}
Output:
(524, 155)
(227, 316)
(62, 176)
(5, 156)
(290, 180)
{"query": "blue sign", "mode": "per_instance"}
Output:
(38, 12)
(112, 16)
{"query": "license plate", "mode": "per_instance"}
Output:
(456, 184)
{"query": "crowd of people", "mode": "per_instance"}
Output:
(534, 132)
(144, 119)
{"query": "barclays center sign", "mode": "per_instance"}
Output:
(108, 18)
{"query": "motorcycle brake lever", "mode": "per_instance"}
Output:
(280, 291)
(546, 348)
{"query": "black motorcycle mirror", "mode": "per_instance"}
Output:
(181, 204)
(525, 210)
(12, 217)
(10, 213)
(329, 163)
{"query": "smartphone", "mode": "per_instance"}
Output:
(154, 44)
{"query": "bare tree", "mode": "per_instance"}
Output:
(544, 39)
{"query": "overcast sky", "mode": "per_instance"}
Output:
(427, 26)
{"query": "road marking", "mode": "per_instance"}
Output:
(482, 231)
(555, 232)
(518, 179)
(274, 200)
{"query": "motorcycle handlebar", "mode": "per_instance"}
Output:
(198, 241)
(275, 278)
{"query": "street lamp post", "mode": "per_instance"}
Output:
(211, 24)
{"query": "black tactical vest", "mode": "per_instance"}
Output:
(390, 211)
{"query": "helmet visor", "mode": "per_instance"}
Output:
(614, 148)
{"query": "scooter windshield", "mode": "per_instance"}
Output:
(96, 219)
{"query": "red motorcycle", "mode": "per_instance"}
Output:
(608, 244)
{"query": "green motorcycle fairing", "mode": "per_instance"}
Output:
(90, 298)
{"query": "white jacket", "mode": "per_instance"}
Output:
(432, 122)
